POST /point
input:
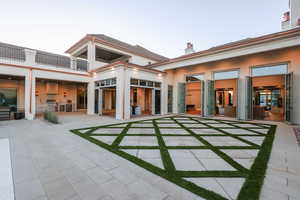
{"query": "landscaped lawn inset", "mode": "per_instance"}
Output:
(214, 159)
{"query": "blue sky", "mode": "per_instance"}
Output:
(161, 26)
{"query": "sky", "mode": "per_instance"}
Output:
(162, 26)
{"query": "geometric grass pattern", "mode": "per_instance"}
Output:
(214, 159)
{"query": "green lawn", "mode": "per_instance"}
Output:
(199, 154)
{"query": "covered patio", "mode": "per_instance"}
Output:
(12, 91)
(60, 96)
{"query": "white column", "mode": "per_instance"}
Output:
(91, 54)
(73, 63)
(30, 57)
(91, 98)
(33, 100)
(27, 97)
(244, 71)
(127, 95)
(29, 104)
(164, 97)
(29, 101)
(207, 76)
(120, 100)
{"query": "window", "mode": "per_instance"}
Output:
(157, 85)
(134, 82)
(102, 83)
(106, 82)
(270, 70)
(226, 75)
(143, 83)
(150, 83)
(195, 77)
(114, 81)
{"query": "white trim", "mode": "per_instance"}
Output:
(259, 48)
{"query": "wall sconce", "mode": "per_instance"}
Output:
(65, 94)
(135, 69)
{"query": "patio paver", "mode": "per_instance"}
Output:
(42, 153)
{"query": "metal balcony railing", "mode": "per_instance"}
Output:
(81, 65)
(52, 59)
(11, 53)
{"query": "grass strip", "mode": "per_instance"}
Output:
(118, 140)
(254, 179)
(165, 156)
(253, 184)
(206, 174)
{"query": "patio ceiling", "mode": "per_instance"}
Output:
(104, 55)
(9, 77)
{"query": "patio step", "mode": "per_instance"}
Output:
(4, 115)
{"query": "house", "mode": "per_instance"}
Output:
(255, 78)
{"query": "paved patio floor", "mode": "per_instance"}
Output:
(51, 163)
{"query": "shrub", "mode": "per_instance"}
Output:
(51, 117)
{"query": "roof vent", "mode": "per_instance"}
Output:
(189, 48)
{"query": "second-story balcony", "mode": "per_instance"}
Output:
(11, 54)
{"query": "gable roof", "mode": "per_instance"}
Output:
(233, 45)
(115, 43)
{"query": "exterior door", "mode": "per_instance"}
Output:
(210, 97)
(249, 98)
(100, 101)
(289, 97)
(170, 98)
(181, 97)
(238, 99)
(157, 102)
(96, 101)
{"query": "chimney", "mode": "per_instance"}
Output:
(291, 19)
(189, 48)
